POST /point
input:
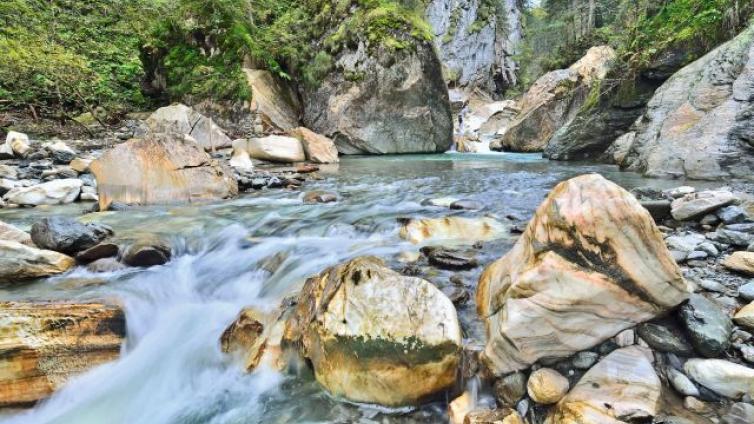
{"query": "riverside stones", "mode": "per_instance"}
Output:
(318, 148)
(181, 119)
(663, 339)
(722, 377)
(11, 233)
(160, 169)
(276, 148)
(590, 264)
(623, 387)
(19, 262)
(16, 144)
(451, 229)
(696, 205)
(67, 235)
(376, 336)
(707, 325)
(45, 345)
(745, 317)
(56, 192)
(742, 262)
(547, 386)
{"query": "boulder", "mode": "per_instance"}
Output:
(621, 388)
(276, 148)
(451, 229)
(745, 317)
(9, 232)
(493, 416)
(318, 148)
(510, 389)
(547, 386)
(240, 158)
(376, 336)
(380, 100)
(16, 144)
(590, 264)
(722, 377)
(247, 337)
(696, 205)
(80, 165)
(451, 259)
(664, 339)
(554, 99)
(313, 197)
(698, 123)
(273, 99)
(97, 252)
(181, 119)
(742, 262)
(55, 192)
(160, 169)
(45, 345)
(67, 235)
(60, 153)
(707, 325)
(147, 252)
(19, 262)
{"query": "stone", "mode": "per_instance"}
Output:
(493, 416)
(179, 119)
(678, 192)
(96, 252)
(60, 152)
(147, 252)
(708, 248)
(459, 407)
(722, 377)
(709, 219)
(240, 157)
(708, 101)
(398, 103)
(105, 265)
(696, 255)
(746, 291)
(623, 387)
(739, 413)
(686, 243)
(160, 169)
(375, 336)
(697, 406)
(56, 192)
(320, 197)
(67, 235)
(9, 232)
(45, 345)
(273, 99)
(733, 238)
(80, 165)
(584, 360)
(451, 229)
(731, 214)
(590, 264)
(510, 389)
(554, 99)
(707, 325)
(465, 204)
(7, 171)
(547, 386)
(696, 205)
(451, 259)
(712, 285)
(625, 338)
(249, 337)
(318, 148)
(442, 202)
(742, 262)
(276, 148)
(16, 144)
(19, 262)
(745, 317)
(681, 383)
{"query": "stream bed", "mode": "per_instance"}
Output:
(256, 250)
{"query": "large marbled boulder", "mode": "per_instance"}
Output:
(20, 262)
(699, 123)
(160, 169)
(554, 99)
(44, 345)
(380, 100)
(622, 388)
(590, 264)
(376, 336)
(181, 119)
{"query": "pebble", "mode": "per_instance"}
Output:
(712, 285)
(510, 389)
(547, 386)
(746, 291)
(584, 360)
(681, 383)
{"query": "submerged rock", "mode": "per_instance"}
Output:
(19, 262)
(451, 229)
(590, 264)
(320, 197)
(67, 235)
(181, 119)
(45, 345)
(147, 252)
(379, 100)
(376, 336)
(56, 192)
(160, 169)
(249, 337)
(623, 387)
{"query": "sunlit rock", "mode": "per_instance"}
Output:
(318, 148)
(55, 192)
(273, 99)
(590, 264)
(451, 229)
(42, 346)
(376, 336)
(9, 232)
(276, 148)
(722, 377)
(160, 169)
(181, 119)
(19, 262)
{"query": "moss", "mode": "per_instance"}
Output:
(411, 350)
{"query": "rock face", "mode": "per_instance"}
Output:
(318, 148)
(181, 119)
(590, 264)
(397, 103)
(157, 170)
(19, 262)
(44, 345)
(56, 192)
(276, 148)
(274, 100)
(623, 387)
(476, 41)
(554, 99)
(67, 235)
(376, 336)
(699, 123)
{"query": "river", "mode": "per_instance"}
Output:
(255, 250)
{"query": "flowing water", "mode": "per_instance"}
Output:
(255, 250)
